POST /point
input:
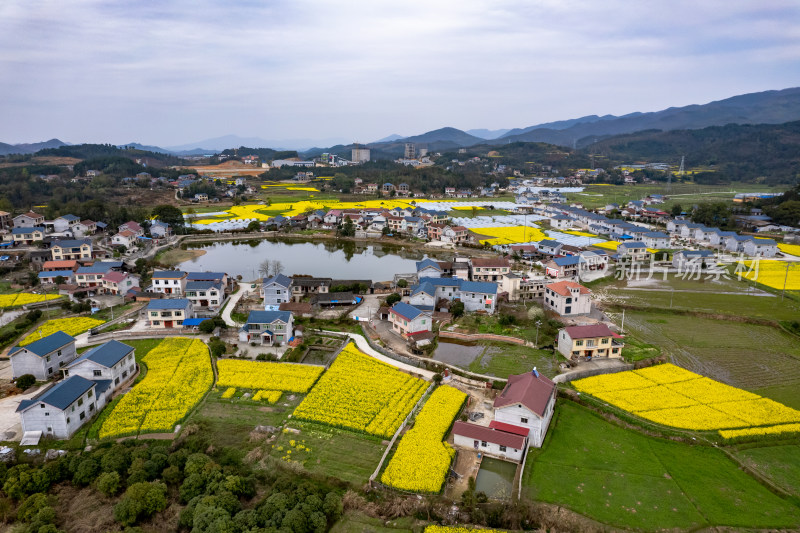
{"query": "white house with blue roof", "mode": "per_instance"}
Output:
(633, 251)
(428, 268)
(408, 320)
(44, 357)
(276, 290)
(169, 281)
(159, 230)
(113, 361)
(684, 259)
(475, 295)
(92, 276)
(60, 410)
(169, 313)
(205, 295)
(268, 328)
(65, 223)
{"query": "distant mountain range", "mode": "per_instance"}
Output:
(29, 148)
(768, 107)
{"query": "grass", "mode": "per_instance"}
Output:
(357, 522)
(176, 256)
(636, 350)
(685, 194)
(335, 452)
(229, 422)
(779, 464)
(626, 479)
(467, 213)
(503, 359)
(54, 312)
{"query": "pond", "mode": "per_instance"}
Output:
(496, 478)
(453, 352)
(331, 259)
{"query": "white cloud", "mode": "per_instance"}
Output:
(185, 70)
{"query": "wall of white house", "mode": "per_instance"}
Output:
(26, 362)
(489, 448)
(519, 415)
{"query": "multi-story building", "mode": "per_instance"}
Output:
(60, 410)
(491, 269)
(568, 298)
(589, 341)
(44, 357)
(169, 313)
(77, 249)
(268, 328)
(408, 320)
(169, 282)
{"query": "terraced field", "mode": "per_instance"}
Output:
(758, 358)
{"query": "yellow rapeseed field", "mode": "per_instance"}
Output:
(254, 375)
(672, 396)
(270, 396)
(511, 234)
(791, 249)
(24, 298)
(773, 274)
(421, 461)
(179, 373)
(360, 393)
(71, 326)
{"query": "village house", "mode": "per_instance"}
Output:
(589, 341)
(160, 230)
(527, 401)
(74, 249)
(549, 247)
(760, 247)
(305, 285)
(506, 441)
(561, 222)
(268, 328)
(205, 295)
(27, 235)
(92, 276)
(5, 220)
(568, 298)
(563, 267)
(408, 320)
(491, 269)
(735, 243)
(685, 260)
(113, 361)
(428, 268)
(84, 228)
(43, 357)
(133, 227)
(169, 282)
(655, 240)
(169, 313)
(447, 233)
(65, 223)
(119, 283)
(124, 238)
(475, 295)
(276, 290)
(60, 410)
(28, 219)
(53, 266)
(632, 252)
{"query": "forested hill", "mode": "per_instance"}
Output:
(738, 152)
(92, 151)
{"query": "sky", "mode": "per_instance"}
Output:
(169, 73)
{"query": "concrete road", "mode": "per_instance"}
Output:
(234, 299)
(10, 425)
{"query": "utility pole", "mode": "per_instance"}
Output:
(785, 280)
(622, 328)
(536, 344)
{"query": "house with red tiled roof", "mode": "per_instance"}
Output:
(527, 401)
(568, 298)
(492, 440)
(596, 340)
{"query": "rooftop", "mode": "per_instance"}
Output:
(168, 303)
(563, 288)
(532, 391)
(46, 345)
(268, 317)
(586, 332)
(107, 355)
(61, 395)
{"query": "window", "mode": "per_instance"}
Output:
(605, 341)
(82, 415)
(578, 343)
(116, 381)
(483, 443)
(156, 322)
(568, 310)
(523, 420)
(50, 370)
(66, 373)
(502, 448)
(47, 413)
(97, 373)
(68, 420)
(124, 374)
(59, 353)
(48, 358)
(153, 313)
(80, 402)
(89, 394)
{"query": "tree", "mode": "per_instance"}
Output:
(393, 298)
(25, 381)
(254, 226)
(169, 214)
(108, 483)
(676, 210)
(206, 326)
(141, 500)
(402, 283)
(457, 308)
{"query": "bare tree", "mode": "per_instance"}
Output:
(277, 267)
(264, 268)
